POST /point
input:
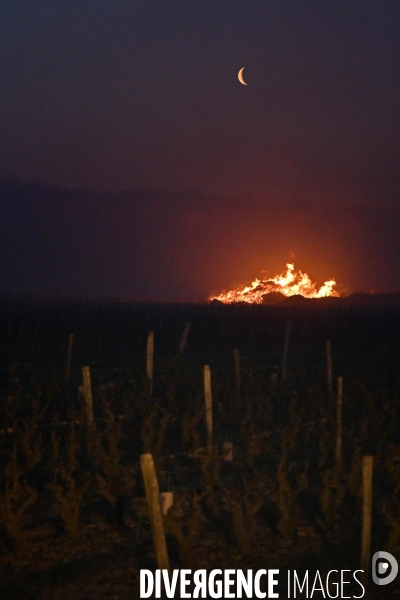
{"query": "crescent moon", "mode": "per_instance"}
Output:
(240, 76)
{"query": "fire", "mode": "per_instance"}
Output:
(289, 284)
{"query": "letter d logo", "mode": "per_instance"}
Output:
(382, 567)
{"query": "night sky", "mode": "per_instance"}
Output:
(134, 164)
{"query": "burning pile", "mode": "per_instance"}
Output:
(290, 283)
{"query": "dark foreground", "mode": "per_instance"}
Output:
(73, 518)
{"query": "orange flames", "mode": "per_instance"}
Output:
(289, 284)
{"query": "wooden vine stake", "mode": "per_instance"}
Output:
(183, 342)
(329, 366)
(286, 348)
(35, 336)
(236, 358)
(69, 355)
(154, 508)
(150, 359)
(339, 421)
(87, 393)
(367, 468)
(208, 403)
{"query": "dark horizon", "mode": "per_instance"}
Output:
(160, 246)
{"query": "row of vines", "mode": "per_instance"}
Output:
(284, 496)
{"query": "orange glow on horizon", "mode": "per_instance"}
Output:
(290, 283)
